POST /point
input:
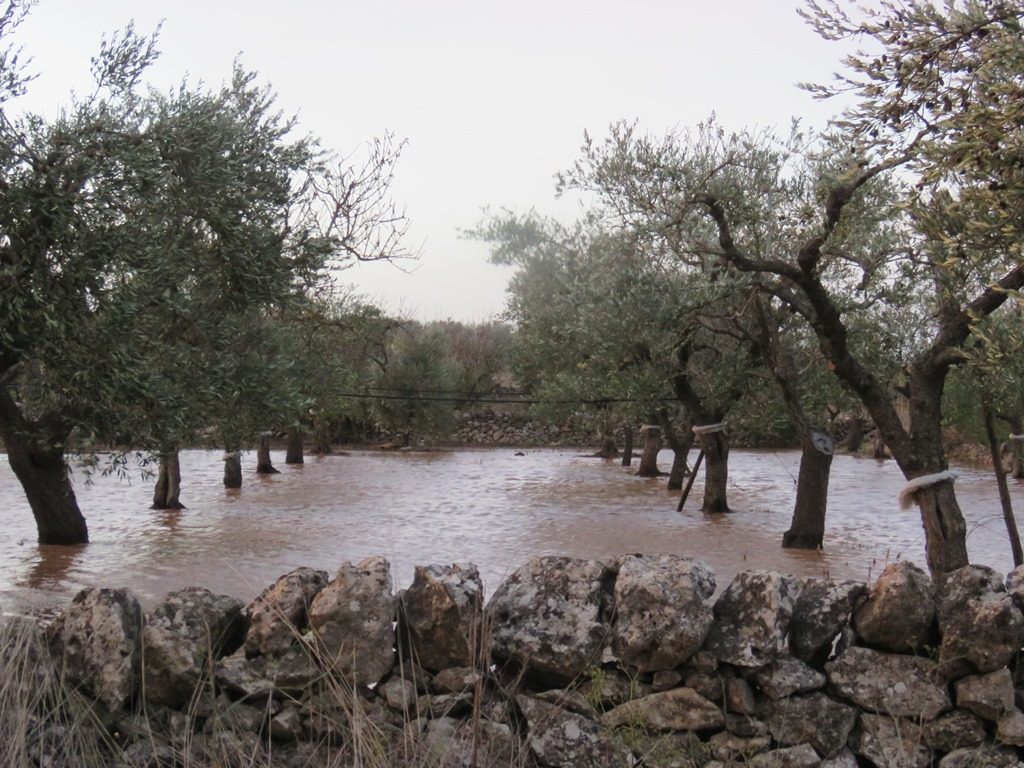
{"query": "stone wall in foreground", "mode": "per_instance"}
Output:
(571, 663)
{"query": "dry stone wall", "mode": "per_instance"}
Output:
(570, 663)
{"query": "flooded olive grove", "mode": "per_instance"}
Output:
(489, 506)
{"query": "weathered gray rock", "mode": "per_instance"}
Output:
(729, 747)
(899, 612)
(665, 680)
(352, 618)
(739, 696)
(98, 639)
(815, 719)
(845, 759)
(1010, 728)
(988, 696)
(550, 618)
(982, 757)
(981, 627)
(663, 610)
(286, 725)
(184, 635)
(441, 616)
(262, 676)
(787, 675)
(1015, 585)
(889, 684)
(954, 730)
(278, 616)
(611, 687)
(399, 694)
(802, 756)
(752, 619)
(454, 744)
(561, 739)
(822, 610)
(681, 709)
(455, 680)
(892, 742)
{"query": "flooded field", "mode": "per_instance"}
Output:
(489, 507)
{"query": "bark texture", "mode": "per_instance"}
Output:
(807, 529)
(293, 453)
(263, 464)
(167, 491)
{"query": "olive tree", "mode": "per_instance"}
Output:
(133, 218)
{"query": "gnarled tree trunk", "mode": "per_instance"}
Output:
(716, 472)
(807, 529)
(649, 458)
(167, 490)
(680, 445)
(43, 474)
(293, 453)
(627, 446)
(232, 469)
(607, 449)
(263, 464)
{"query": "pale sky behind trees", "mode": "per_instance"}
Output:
(492, 97)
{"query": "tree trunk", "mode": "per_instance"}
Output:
(1004, 492)
(263, 463)
(878, 446)
(944, 528)
(649, 458)
(293, 454)
(716, 472)
(608, 449)
(627, 446)
(856, 435)
(167, 491)
(807, 529)
(680, 445)
(43, 474)
(1016, 441)
(322, 441)
(232, 469)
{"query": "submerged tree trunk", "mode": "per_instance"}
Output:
(627, 446)
(1016, 444)
(322, 441)
(232, 469)
(855, 437)
(263, 463)
(1004, 492)
(807, 529)
(649, 458)
(607, 449)
(43, 474)
(167, 491)
(680, 445)
(716, 472)
(293, 453)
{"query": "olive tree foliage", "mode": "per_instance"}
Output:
(140, 230)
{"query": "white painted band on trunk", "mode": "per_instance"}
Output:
(1017, 437)
(924, 481)
(707, 429)
(229, 455)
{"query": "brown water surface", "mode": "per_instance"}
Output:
(489, 507)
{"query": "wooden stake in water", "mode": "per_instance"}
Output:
(689, 483)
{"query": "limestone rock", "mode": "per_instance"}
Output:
(455, 680)
(752, 619)
(787, 675)
(728, 747)
(352, 618)
(98, 639)
(845, 759)
(981, 757)
(739, 696)
(1010, 728)
(550, 618)
(954, 730)
(889, 684)
(815, 719)
(279, 615)
(822, 611)
(988, 696)
(982, 629)
(893, 742)
(264, 676)
(561, 739)
(441, 616)
(681, 709)
(184, 635)
(801, 756)
(663, 610)
(399, 694)
(899, 612)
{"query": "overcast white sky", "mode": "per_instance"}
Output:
(492, 97)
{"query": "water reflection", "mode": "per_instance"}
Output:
(490, 507)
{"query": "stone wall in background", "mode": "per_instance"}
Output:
(569, 663)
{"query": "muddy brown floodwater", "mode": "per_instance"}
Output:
(489, 507)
